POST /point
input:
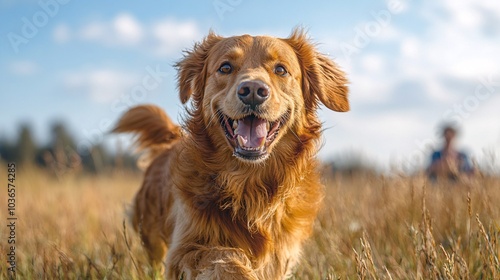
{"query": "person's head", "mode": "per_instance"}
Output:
(449, 134)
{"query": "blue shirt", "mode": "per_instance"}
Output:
(464, 164)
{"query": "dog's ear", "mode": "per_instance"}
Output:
(192, 68)
(321, 77)
(329, 84)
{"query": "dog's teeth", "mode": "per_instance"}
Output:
(241, 141)
(268, 125)
(235, 125)
(262, 142)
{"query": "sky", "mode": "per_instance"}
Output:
(412, 65)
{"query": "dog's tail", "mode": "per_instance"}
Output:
(155, 130)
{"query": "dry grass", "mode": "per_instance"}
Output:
(72, 227)
(370, 228)
(406, 228)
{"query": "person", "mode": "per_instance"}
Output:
(449, 162)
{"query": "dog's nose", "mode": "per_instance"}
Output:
(253, 93)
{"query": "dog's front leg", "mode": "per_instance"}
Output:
(200, 262)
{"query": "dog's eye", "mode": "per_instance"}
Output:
(280, 70)
(226, 68)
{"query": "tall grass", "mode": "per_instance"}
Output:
(71, 227)
(371, 227)
(406, 228)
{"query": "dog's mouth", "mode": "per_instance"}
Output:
(250, 136)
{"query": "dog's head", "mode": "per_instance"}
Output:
(252, 91)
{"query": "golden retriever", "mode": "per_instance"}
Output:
(233, 194)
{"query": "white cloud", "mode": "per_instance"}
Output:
(163, 38)
(367, 88)
(384, 136)
(101, 85)
(123, 30)
(127, 29)
(470, 14)
(94, 31)
(410, 47)
(387, 33)
(373, 63)
(463, 13)
(23, 68)
(453, 47)
(172, 35)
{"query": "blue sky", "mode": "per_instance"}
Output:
(412, 64)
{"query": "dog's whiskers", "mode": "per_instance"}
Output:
(284, 119)
(218, 114)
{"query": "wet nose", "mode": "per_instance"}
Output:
(253, 93)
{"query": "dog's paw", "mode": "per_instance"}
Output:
(221, 269)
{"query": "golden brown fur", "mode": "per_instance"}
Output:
(222, 215)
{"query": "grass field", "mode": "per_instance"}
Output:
(72, 227)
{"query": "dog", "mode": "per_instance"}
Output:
(234, 192)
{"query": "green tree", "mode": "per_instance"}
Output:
(26, 148)
(61, 139)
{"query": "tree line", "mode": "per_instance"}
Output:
(60, 154)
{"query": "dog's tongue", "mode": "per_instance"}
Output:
(251, 132)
